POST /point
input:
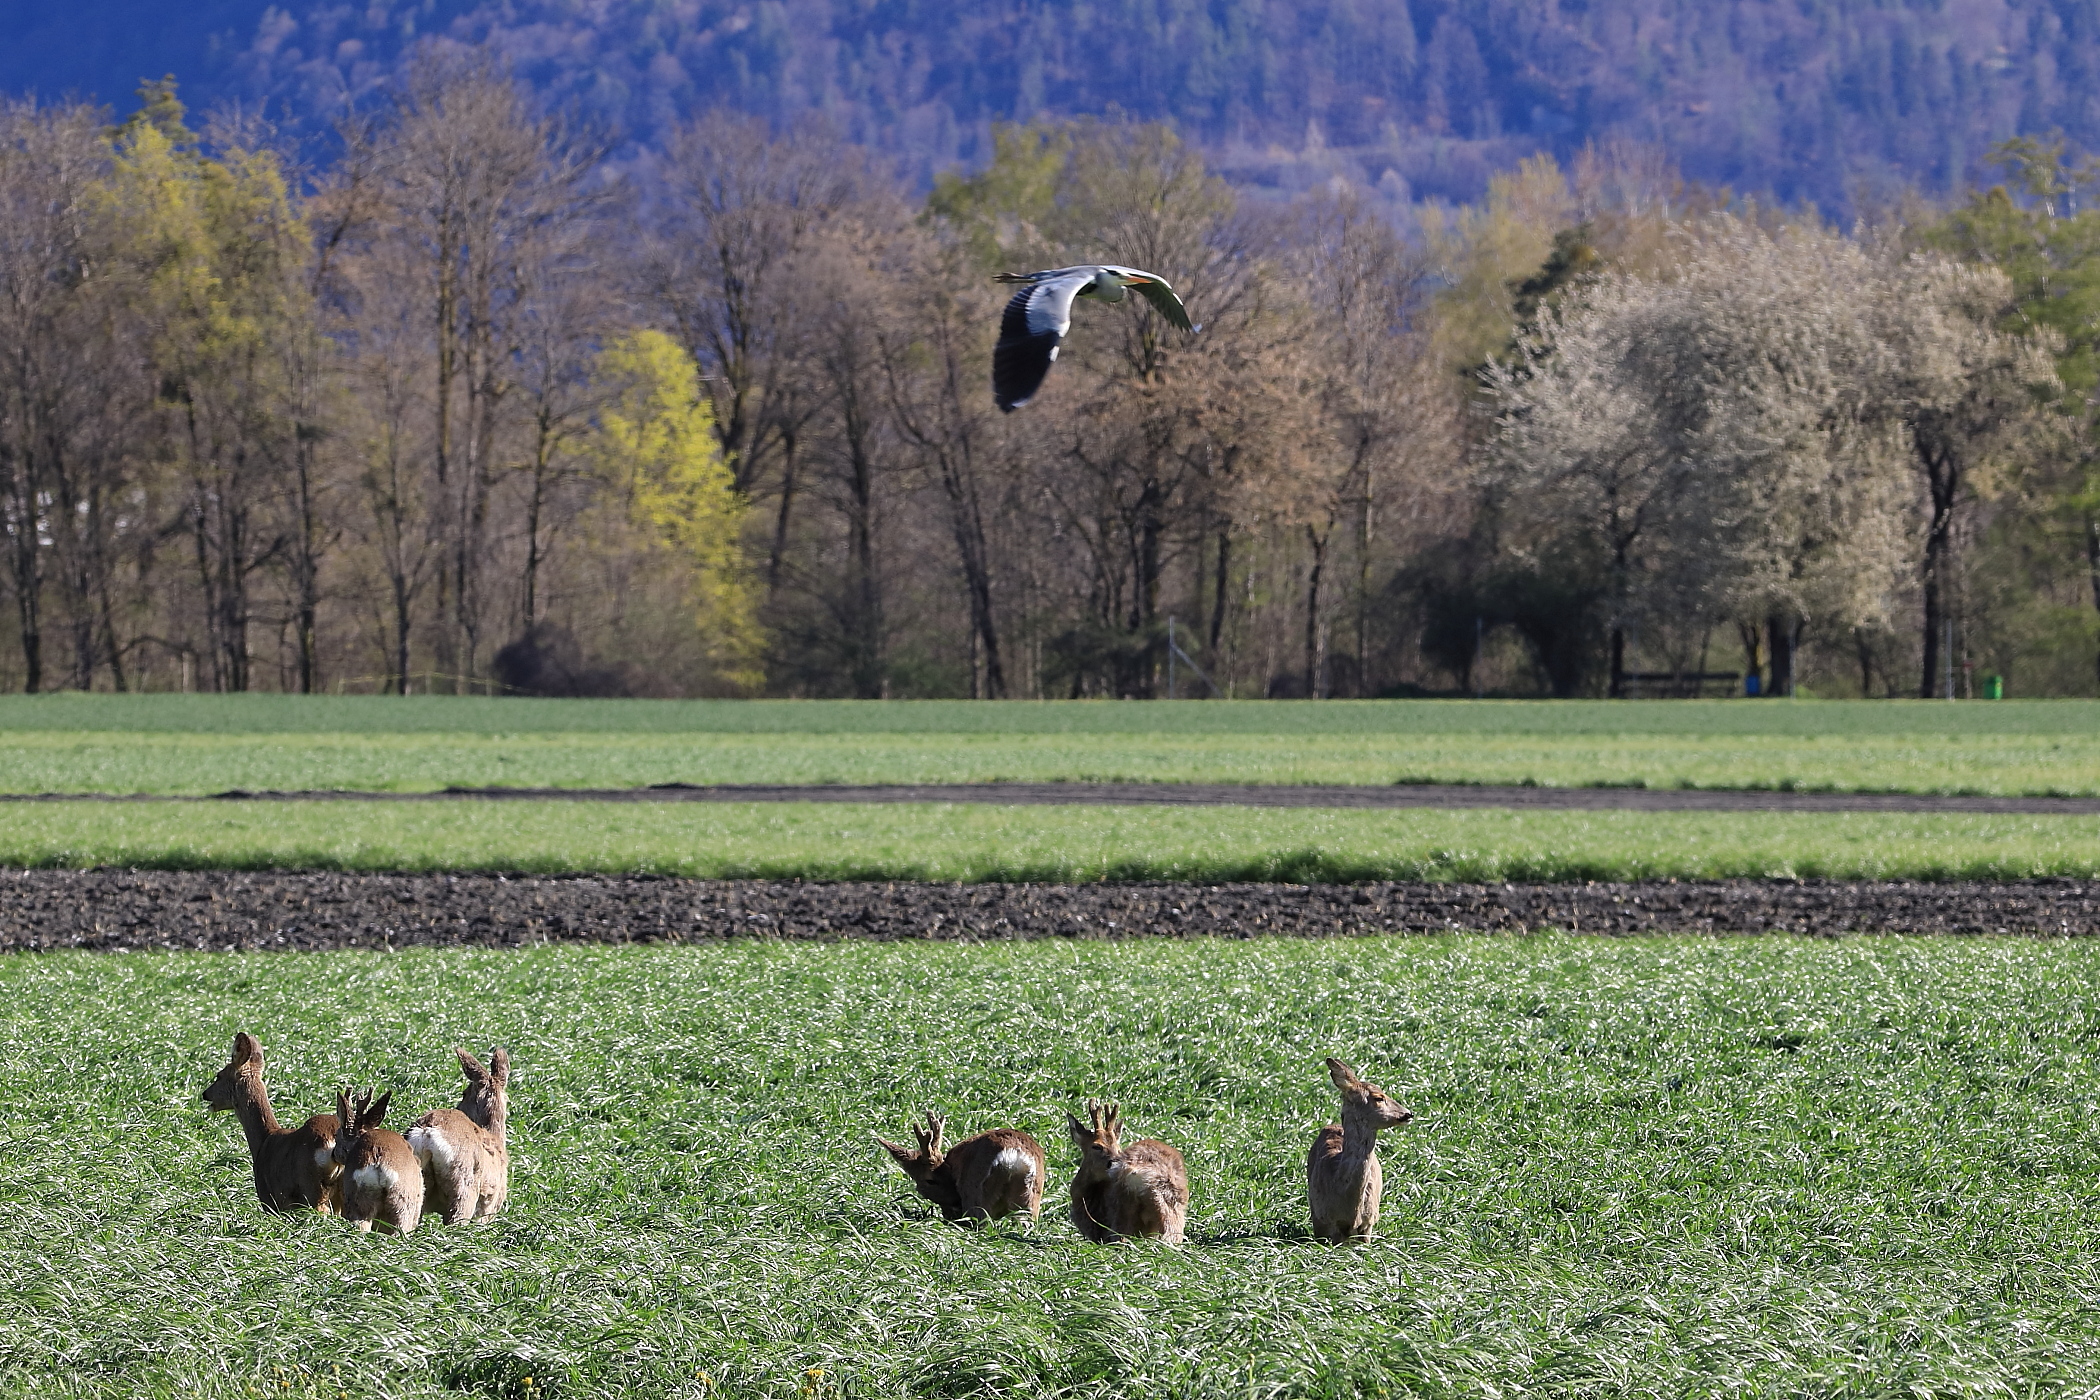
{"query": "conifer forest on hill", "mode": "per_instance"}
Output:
(1730, 343)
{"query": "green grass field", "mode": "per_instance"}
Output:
(204, 744)
(968, 841)
(1643, 1168)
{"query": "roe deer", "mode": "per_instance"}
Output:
(1342, 1177)
(294, 1167)
(465, 1159)
(382, 1181)
(1139, 1191)
(986, 1177)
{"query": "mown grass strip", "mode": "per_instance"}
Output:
(2004, 764)
(972, 842)
(1645, 1167)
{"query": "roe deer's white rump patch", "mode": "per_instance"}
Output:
(430, 1146)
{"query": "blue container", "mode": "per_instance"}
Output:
(1750, 684)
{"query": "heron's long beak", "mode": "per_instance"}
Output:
(1139, 281)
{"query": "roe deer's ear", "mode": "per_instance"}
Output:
(1344, 1077)
(499, 1066)
(376, 1114)
(246, 1047)
(898, 1150)
(1080, 1130)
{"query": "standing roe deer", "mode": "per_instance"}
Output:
(382, 1181)
(1119, 1192)
(986, 1177)
(294, 1167)
(462, 1151)
(1343, 1178)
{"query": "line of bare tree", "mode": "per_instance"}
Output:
(481, 406)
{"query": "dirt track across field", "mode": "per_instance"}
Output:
(1399, 795)
(115, 910)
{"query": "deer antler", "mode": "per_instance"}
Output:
(936, 1125)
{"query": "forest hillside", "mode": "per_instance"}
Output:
(1809, 100)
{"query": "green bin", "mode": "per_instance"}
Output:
(1994, 687)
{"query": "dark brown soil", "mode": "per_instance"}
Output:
(117, 910)
(1448, 795)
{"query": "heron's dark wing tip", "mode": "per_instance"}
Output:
(1019, 366)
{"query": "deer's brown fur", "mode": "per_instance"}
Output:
(1135, 1192)
(1343, 1178)
(295, 1168)
(987, 1177)
(382, 1180)
(464, 1152)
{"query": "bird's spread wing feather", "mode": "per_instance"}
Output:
(1164, 301)
(1034, 326)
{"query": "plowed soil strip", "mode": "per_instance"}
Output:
(1591, 799)
(117, 911)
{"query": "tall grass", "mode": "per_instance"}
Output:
(1652, 1168)
(969, 841)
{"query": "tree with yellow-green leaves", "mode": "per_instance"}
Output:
(215, 255)
(656, 451)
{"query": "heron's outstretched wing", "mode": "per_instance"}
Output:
(1034, 326)
(1164, 301)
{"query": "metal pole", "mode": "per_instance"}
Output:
(1947, 652)
(1171, 649)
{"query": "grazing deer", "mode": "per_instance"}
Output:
(1343, 1178)
(294, 1167)
(465, 1159)
(382, 1181)
(987, 1177)
(1135, 1192)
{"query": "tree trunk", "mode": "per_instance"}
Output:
(2092, 564)
(1217, 602)
(977, 578)
(1144, 603)
(306, 564)
(864, 606)
(1363, 588)
(1315, 632)
(1618, 662)
(535, 503)
(1943, 483)
(780, 521)
(1779, 630)
(398, 682)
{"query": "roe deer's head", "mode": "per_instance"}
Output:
(1364, 1100)
(245, 1066)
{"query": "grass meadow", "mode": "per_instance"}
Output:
(1649, 1167)
(974, 842)
(205, 744)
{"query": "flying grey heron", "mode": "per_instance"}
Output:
(1041, 312)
